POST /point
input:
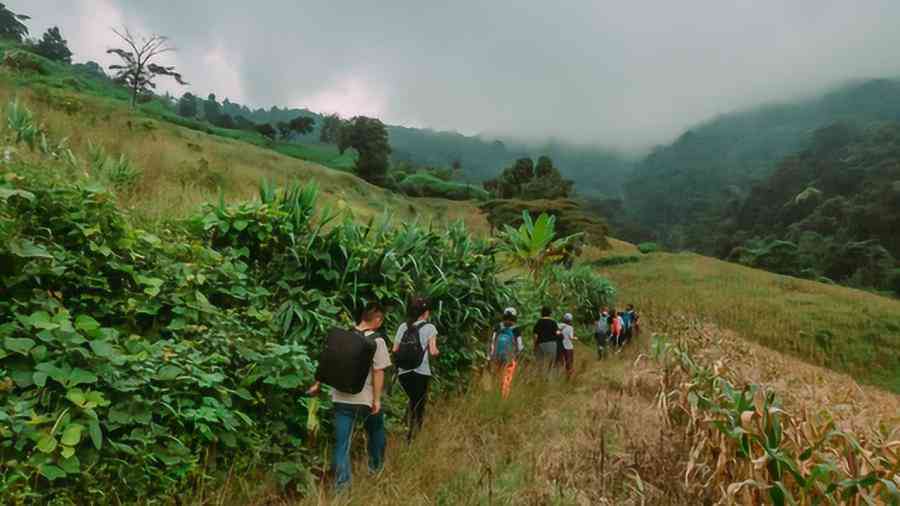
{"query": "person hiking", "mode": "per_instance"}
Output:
(547, 339)
(632, 322)
(414, 344)
(627, 323)
(567, 332)
(348, 408)
(601, 333)
(506, 343)
(615, 328)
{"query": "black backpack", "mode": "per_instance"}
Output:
(346, 360)
(410, 353)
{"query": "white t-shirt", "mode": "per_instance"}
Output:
(426, 332)
(568, 332)
(380, 362)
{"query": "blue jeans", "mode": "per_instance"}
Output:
(345, 417)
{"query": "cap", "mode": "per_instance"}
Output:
(567, 317)
(510, 311)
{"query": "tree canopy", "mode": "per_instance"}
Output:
(53, 46)
(369, 138)
(12, 26)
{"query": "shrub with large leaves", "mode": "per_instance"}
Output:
(141, 364)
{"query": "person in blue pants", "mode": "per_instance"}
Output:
(365, 405)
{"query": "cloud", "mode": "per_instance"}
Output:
(621, 74)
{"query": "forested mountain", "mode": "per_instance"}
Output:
(597, 171)
(832, 210)
(684, 191)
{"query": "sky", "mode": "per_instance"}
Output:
(618, 74)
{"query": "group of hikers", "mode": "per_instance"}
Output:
(354, 364)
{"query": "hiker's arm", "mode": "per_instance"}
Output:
(432, 346)
(377, 387)
(313, 390)
(493, 342)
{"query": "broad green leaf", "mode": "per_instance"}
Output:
(47, 443)
(86, 323)
(52, 472)
(71, 465)
(76, 395)
(102, 349)
(168, 372)
(240, 225)
(72, 434)
(6, 193)
(67, 452)
(79, 376)
(40, 379)
(96, 434)
(21, 345)
(26, 249)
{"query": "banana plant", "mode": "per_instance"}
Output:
(534, 245)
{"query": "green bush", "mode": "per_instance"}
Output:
(615, 260)
(580, 291)
(427, 185)
(648, 247)
(24, 61)
(146, 364)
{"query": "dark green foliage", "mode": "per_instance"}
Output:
(146, 364)
(579, 290)
(648, 247)
(427, 185)
(187, 106)
(369, 138)
(53, 46)
(330, 129)
(11, 25)
(570, 217)
(615, 260)
(267, 131)
(525, 181)
(21, 60)
(691, 190)
(830, 211)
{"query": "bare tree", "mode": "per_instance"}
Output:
(137, 70)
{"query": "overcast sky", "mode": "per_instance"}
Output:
(624, 74)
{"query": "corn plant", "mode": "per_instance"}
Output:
(118, 173)
(747, 446)
(20, 120)
(534, 244)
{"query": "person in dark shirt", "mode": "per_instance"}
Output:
(547, 339)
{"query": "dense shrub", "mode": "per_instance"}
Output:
(141, 364)
(580, 291)
(615, 260)
(648, 247)
(570, 217)
(427, 185)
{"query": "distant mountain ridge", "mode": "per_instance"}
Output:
(682, 189)
(597, 171)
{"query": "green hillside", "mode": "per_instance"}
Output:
(679, 191)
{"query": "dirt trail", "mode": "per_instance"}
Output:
(597, 439)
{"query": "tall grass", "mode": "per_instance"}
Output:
(844, 329)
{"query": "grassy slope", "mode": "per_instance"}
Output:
(844, 329)
(183, 168)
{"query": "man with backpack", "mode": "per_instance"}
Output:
(415, 343)
(363, 404)
(506, 343)
(547, 339)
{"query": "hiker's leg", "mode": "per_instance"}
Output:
(377, 441)
(419, 411)
(508, 372)
(344, 421)
(415, 385)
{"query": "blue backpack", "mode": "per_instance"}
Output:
(506, 342)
